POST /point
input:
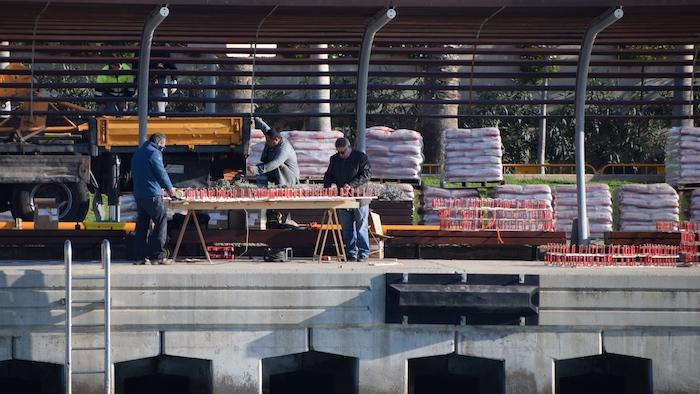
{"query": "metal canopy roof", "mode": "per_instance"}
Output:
(80, 35)
(560, 22)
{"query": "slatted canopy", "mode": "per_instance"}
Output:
(481, 49)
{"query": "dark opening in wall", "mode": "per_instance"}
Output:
(164, 374)
(606, 373)
(31, 377)
(452, 373)
(310, 373)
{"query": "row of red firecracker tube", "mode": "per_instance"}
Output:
(493, 203)
(204, 194)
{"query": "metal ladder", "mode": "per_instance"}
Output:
(106, 257)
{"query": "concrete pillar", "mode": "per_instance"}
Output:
(684, 110)
(236, 355)
(320, 123)
(673, 354)
(7, 105)
(383, 353)
(529, 354)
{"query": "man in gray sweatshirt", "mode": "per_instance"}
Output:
(278, 162)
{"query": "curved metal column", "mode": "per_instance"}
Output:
(156, 17)
(599, 24)
(376, 23)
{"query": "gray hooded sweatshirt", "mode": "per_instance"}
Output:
(282, 159)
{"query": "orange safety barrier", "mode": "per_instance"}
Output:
(551, 169)
(128, 226)
(633, 169)
(567, 168)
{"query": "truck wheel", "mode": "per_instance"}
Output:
(73, 200)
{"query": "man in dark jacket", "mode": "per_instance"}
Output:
(350, 168)
(150, 178)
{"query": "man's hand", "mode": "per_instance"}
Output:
(252, 170)
(174, 195)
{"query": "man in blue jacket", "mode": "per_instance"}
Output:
(150, 178)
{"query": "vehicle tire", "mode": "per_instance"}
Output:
(73, 200)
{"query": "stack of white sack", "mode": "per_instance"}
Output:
(472, 155)
(527, 192)
(682, 163)
(642, 206)
(314, 150)
(598, 206)
(256, 136)
(429, 216)
(254, 153)
(394, 154)
(391, 191)
(694, 214)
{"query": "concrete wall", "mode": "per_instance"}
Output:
(237, 318)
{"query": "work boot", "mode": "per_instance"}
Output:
(164, 261)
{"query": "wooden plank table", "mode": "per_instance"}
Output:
(328, 204)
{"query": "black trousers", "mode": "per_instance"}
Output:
(150, 246)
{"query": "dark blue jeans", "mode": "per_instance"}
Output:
(355, 232)
(150, 246)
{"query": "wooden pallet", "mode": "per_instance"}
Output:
(642, 237)
(415, 182)
(441, 237)
(472, 184)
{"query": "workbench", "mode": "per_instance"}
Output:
(328, 204)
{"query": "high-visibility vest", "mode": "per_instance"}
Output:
(111, 78)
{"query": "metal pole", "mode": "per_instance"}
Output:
(106, 265)
(598, 25)
(376, 23)
(68, 260)
(542, 147)
(152, 22)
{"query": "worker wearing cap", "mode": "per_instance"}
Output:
(278, 162)
(350, 168)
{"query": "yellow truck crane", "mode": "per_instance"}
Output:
(67, 158)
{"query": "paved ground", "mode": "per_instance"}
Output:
(244, 265)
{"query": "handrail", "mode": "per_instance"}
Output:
(106, 259)
(107, 266)
(68, 261)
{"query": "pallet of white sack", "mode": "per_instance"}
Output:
(469, 184)
(687, 186)
(415, 182)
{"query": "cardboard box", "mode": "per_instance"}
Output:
(218, 220)
(45, 214)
